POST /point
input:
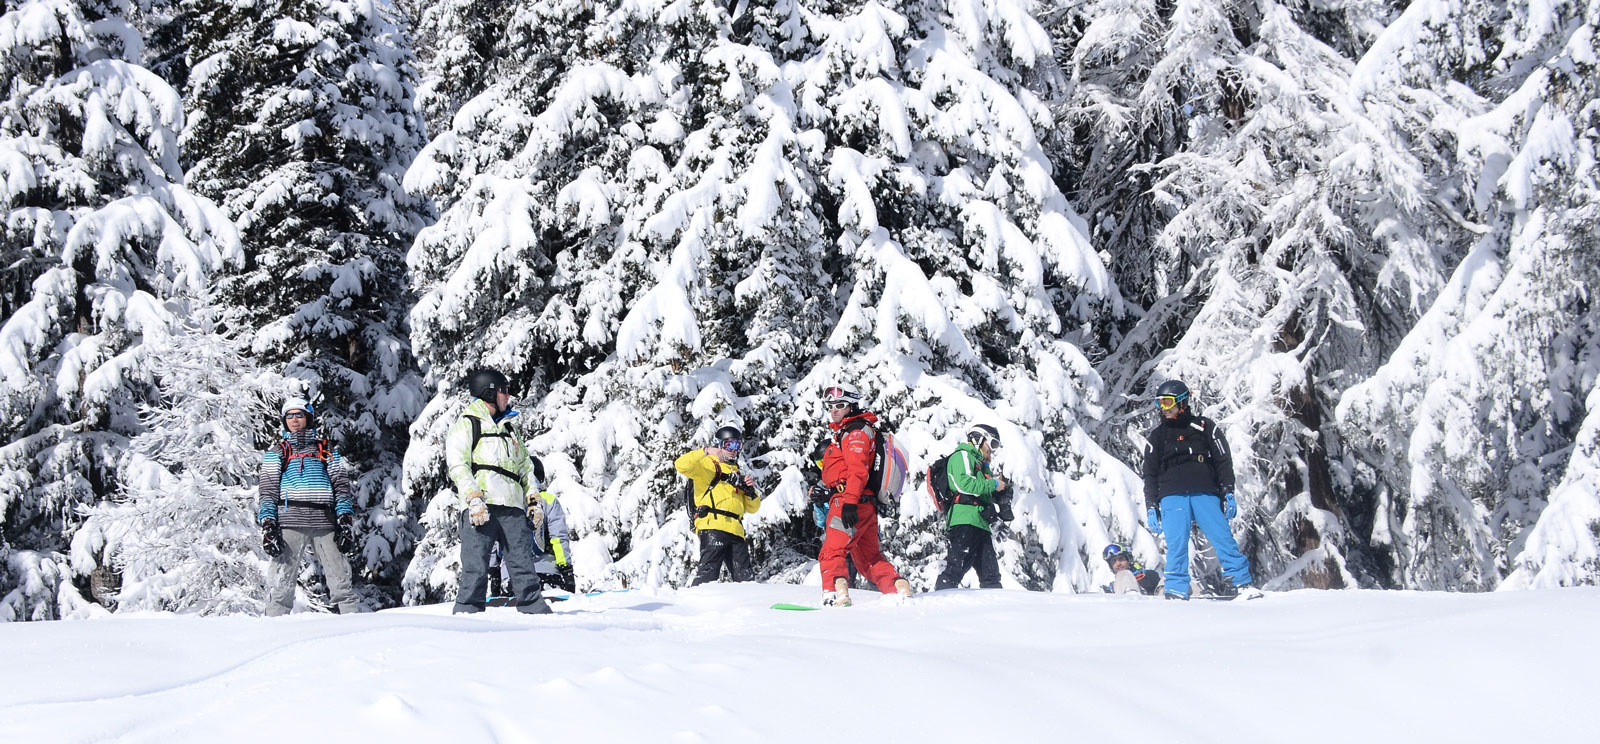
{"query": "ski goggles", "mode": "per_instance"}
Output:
(1114, 552)
(295, 415)
(984, 440)
(732, 445)
(1169, 402)
(836, 394)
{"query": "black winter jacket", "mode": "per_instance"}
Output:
(1187, 454)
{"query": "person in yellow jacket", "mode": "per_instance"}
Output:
(721, 499)
(495, 476)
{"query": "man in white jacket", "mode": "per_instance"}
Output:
(494, 475)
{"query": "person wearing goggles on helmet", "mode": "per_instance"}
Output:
(499, 488)
(1128, 577)
(977, 492)
(304, 500)
(721, 499)
(851, 524)
(1188, 479)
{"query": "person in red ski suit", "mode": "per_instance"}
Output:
(851, 527)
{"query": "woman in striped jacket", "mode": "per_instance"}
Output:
(305, 499)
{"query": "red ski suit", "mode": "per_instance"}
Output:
(845, 467)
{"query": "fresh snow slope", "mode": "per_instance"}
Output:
(714, 664)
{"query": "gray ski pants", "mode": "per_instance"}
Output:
(508, 526)
(285, 571)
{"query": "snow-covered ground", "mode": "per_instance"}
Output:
(715, 664)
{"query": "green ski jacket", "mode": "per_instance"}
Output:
(970, 475)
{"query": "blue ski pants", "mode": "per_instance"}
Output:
(1180, 510)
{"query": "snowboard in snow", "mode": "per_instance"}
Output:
(562, 597)
(798, 607)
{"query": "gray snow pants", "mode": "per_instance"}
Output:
(508, 526)
(285, 571)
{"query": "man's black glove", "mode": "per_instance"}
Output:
(702, 511)
(847, 515)
(271, 538)
(568, 581)
(1004, 509)
(344, 535)
(988, 513)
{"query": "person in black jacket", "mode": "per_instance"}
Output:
(1188, 479)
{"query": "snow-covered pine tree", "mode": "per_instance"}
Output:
(770, 190)
(968, 287)
(303, 125)
(1479, 431)
(100, 244)
(181, 535)
(620, 145)
(465, 46)
(1292, 242)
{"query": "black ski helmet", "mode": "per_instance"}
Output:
(1115, 549)
(484, 382)
(730, 438)
(1174, 389)
(978, 433)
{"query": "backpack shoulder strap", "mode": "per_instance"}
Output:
(477, 436)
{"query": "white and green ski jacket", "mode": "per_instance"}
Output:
(496, 465)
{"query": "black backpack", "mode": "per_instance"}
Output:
(939, 484)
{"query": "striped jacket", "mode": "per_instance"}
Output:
(311, 493)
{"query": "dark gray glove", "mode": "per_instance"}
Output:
(271, 538)
(344, 535)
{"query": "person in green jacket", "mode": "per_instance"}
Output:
(494, 475)
(977, 490)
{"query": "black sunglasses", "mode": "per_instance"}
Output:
(294, 415)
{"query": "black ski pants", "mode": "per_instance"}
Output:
(718, 548)
(970, 547)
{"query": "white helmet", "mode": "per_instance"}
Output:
(841, 392)
(296, 404)
(981, 434)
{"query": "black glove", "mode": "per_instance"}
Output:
(344, 535)
(819, 494)
(1004, 508)
(847, 515)
(271, 538)
(702, 511)
(988, 513)
(568, 581)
